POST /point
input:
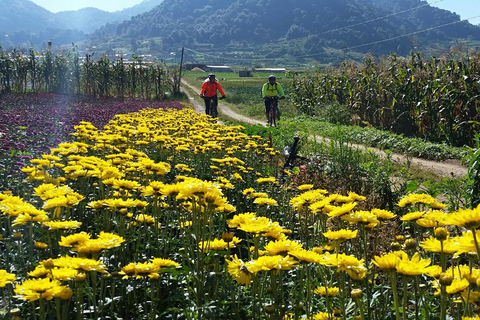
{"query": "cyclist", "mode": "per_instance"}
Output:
(209, 91)
(270, 91)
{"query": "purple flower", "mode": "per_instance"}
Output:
(21, 164)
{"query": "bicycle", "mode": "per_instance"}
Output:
(273, 114)
(212, 110)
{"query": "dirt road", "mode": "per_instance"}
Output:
(445, 169)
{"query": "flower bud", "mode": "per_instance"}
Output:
(356, 293)
(227, 237)
(410, 244)
(395, 246)
(49, 264)
(446, 279)
(269, 309)
(441, 234)
(80, 277)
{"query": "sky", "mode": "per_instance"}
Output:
(465, 8)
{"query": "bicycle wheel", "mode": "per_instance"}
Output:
(214, 108)
(273, 111)
(271, 118)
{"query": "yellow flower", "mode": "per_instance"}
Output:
(342, 234)
(323, 316)
(6, 278)
(266, 180)
(164, 263)
(125, 184)
(74, 239)
(25, 218)
(355, 197)
(239, 271)
(432, 219)
(35, 289)
(344, 262)
(448, 246)
(467, 218)
(268, 263)
(412, 199)
(306, 256)
(342, 210)
(362, 217)
(40, 245)
(104, 241)
(327, 291)
(77, 263)
(257, 225)
(434, 271)
(305, 187)
(414, 266)
(307, 198)
(282, 247)
(140, 270)
(389, 261)
(248, 191)
(412, 216)
(383, 215)
(266, 202)
(62, 225)
(466, 243)
(241, 218)
(217, 244)
(458, 285)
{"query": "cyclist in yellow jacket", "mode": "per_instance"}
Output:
(209, 91)
(270, 91)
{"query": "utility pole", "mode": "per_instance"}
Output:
(180, 73)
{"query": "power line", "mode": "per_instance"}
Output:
(361, 23)
(413, 33)
(349, 48)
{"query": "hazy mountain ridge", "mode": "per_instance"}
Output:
(24, 23)
(90, 19)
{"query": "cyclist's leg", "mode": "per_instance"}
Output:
(215, 106)
(207, 104)
(267, 109)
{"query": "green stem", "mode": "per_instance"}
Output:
(476, 242)
(395, 294)
(359, 303)
(405, 297)
(42, 309)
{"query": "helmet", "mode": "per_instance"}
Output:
(272, 77)
(211, 75)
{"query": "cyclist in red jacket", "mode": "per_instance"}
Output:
(209, 91)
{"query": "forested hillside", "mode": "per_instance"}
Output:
(320, 24)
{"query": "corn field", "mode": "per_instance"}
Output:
(68, 73)
(436, 99)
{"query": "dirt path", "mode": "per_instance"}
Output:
(444, 169)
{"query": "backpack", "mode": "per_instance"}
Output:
(273, 87)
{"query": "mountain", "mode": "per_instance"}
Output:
(86, 19)
(90, 19)
(24, 24)
(292, 27)
(17, 15)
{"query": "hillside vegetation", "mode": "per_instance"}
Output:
(310, 27)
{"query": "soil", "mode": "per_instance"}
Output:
(443, 169)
